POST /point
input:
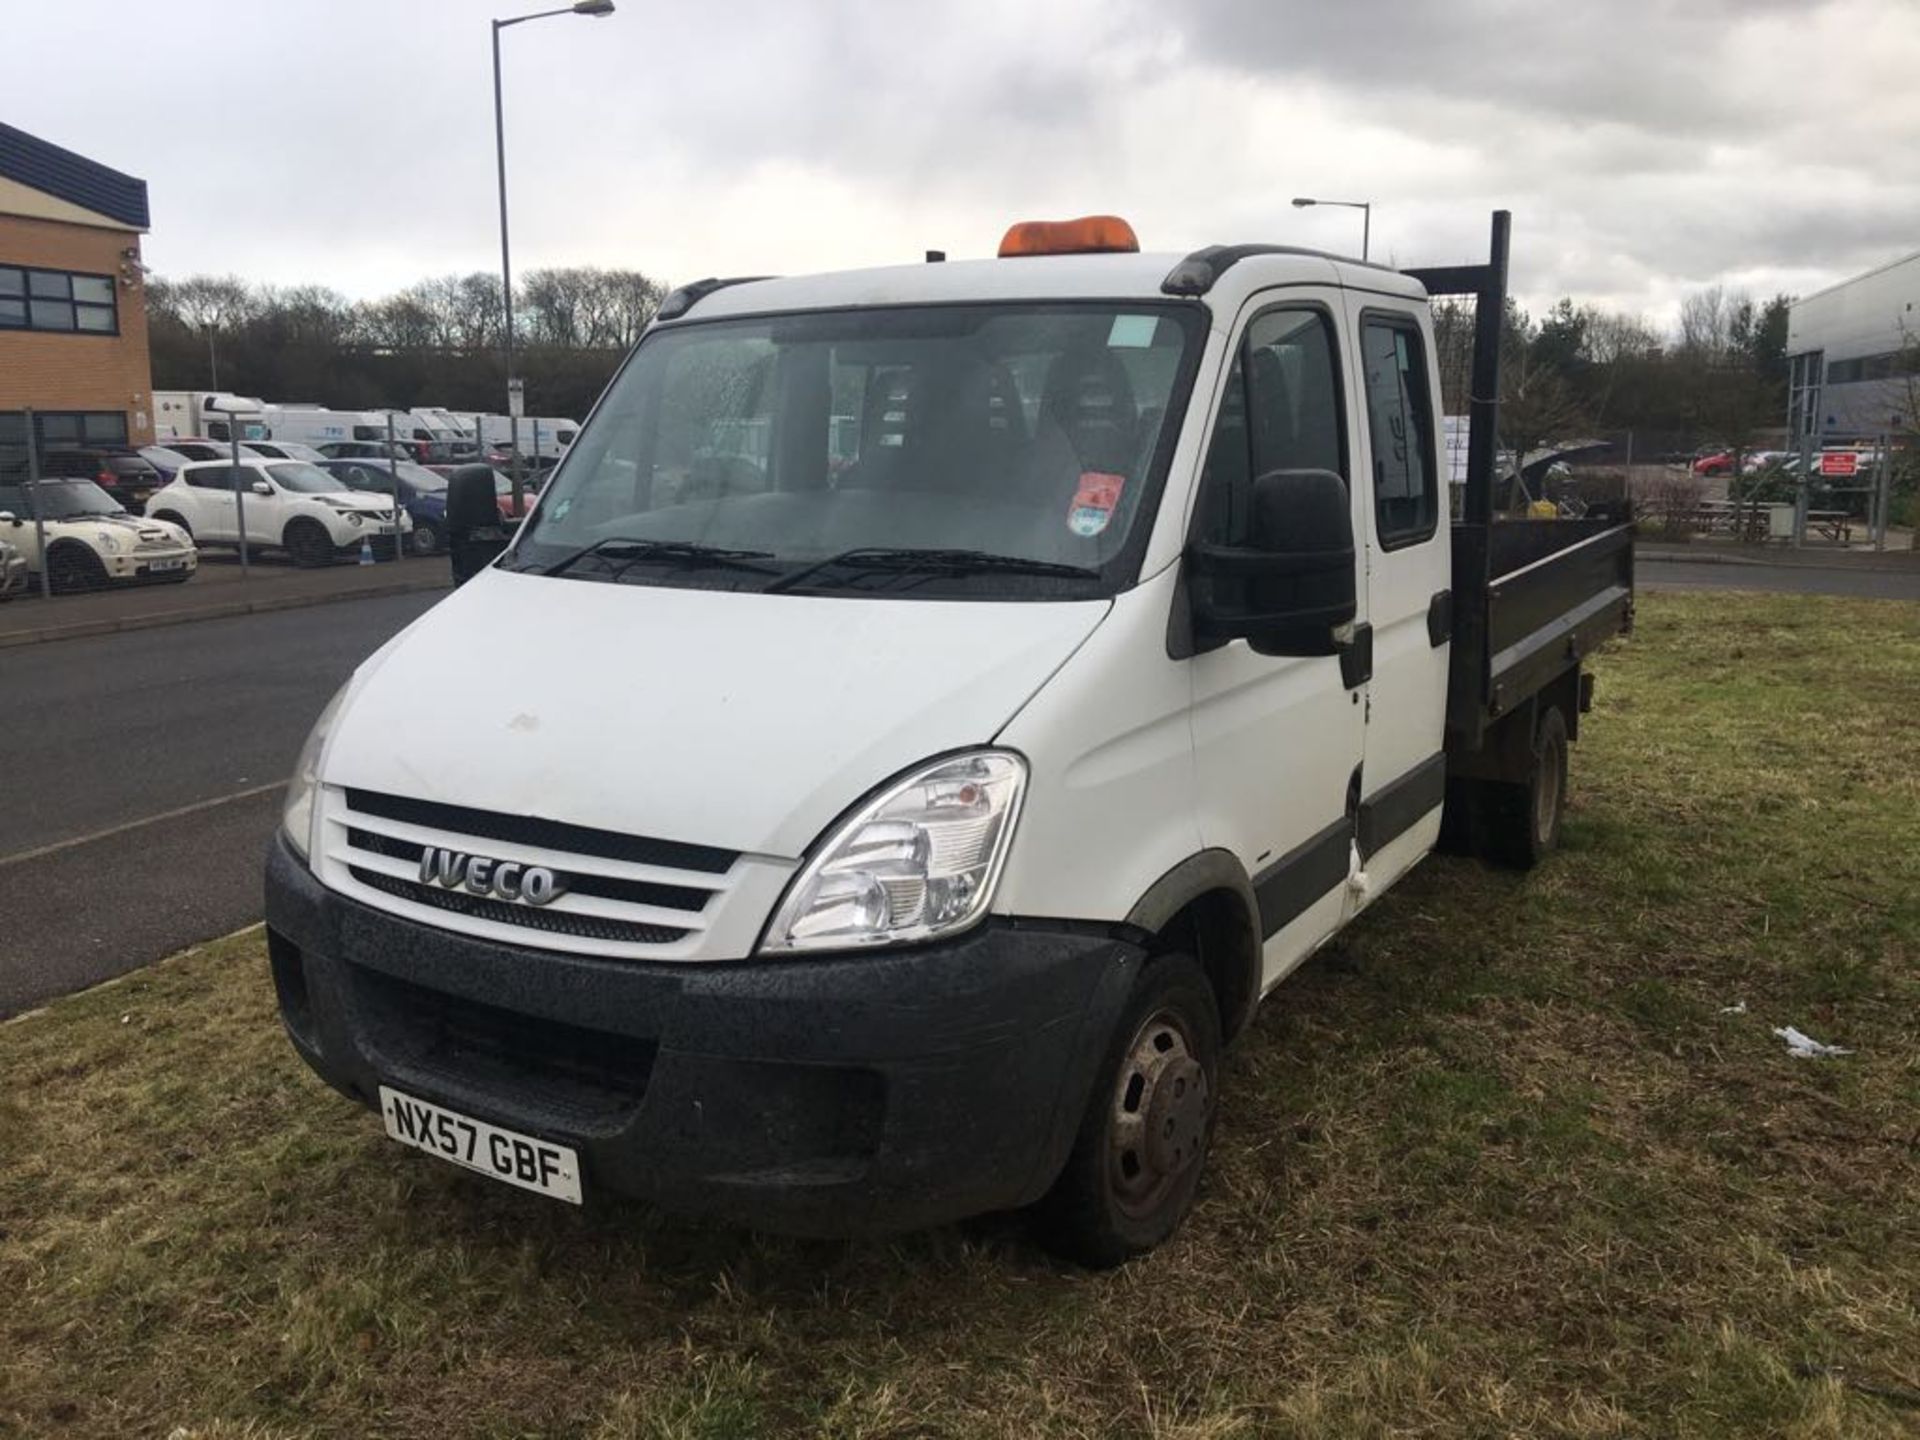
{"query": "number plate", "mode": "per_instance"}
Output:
(532, 1164)
(167, 565)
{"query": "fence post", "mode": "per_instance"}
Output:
(33, 498)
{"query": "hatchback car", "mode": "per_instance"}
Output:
(423, 494)
(123, 472)
(90, 540)
(288, 504)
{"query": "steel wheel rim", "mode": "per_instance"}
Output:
(1546, 795)
(1158, 1115)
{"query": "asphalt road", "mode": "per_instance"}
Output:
(1788, 579)
(140, 780)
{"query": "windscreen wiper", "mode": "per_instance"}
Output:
(689, 553)
(931, 561)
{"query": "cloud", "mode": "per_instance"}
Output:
(1645, 147)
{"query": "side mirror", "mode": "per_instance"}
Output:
(474, 536)
(262, 487)
(1292, 584)
(7, 518)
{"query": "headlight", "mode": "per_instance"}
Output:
(297, 817)
(918, 860)
(109, 542)
(353, 516)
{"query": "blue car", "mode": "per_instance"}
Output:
(423, 494)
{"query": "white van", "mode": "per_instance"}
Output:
(546, 436)
(840, 834)
(207, 414)
(315, 425)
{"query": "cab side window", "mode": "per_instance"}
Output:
(1281, 411)
(1400, 422)
(214, 477)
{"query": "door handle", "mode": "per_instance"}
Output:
(1440, 618)
(1356, 657)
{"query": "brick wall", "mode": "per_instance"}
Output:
(78, 371)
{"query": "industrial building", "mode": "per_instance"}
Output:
(1854, 349)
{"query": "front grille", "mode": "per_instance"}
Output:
(545, 834)
(638, 892)
(620, 895)
(591, 1075)
(527, 917)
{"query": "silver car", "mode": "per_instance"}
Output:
(13, 572)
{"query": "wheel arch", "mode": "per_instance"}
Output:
(1206, 905)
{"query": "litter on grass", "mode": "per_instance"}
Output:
(1739, 1009)
(1805, 1047)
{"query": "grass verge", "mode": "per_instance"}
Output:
(1497, 1163)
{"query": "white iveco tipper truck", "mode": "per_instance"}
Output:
(925, 713)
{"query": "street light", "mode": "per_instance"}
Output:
(583, 7)
(1365, 207)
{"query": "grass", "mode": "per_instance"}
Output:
(1495, 1164)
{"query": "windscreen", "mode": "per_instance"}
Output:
(59, 500)
(1025, 431)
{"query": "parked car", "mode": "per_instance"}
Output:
(91, 539)
(367, 450)
(13, 571)
(289, 504)
(423, 494)
(283, 450)
(195, 447)
(165, 459)
(1720, 462)
(123, 472)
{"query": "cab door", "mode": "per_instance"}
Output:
(267, 515)
(1408, 566)
(1278, 740)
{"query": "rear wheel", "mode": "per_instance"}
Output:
(72, 568)
(1523, 820)
(425, 539)
(309, 544)
(1135, 1166)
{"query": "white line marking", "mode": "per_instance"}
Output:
(41, 852)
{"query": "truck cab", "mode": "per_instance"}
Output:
(942, 702)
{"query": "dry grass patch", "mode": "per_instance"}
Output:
(1496, 1164)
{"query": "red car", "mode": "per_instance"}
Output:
(1720, 463)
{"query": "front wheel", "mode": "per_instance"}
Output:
(309, 544)
(1136, 1161)
(425, 540)
(73, 569)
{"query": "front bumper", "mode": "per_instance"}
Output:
(835, 1095)
(152, 564)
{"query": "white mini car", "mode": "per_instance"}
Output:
(289, 505)
(90, 540)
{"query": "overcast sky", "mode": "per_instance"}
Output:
(1645, 148)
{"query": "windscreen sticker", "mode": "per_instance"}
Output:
(1094, 502)
(1132, 332)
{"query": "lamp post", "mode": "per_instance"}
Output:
(581, 7)
(1365, 207)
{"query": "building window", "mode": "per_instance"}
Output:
(57, 300)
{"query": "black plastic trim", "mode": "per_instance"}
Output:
(1201, 271)
(548, 834)
(1356, 657)
(1440, 618)
(1286, 888)
(1400, 804)
(694, 291)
